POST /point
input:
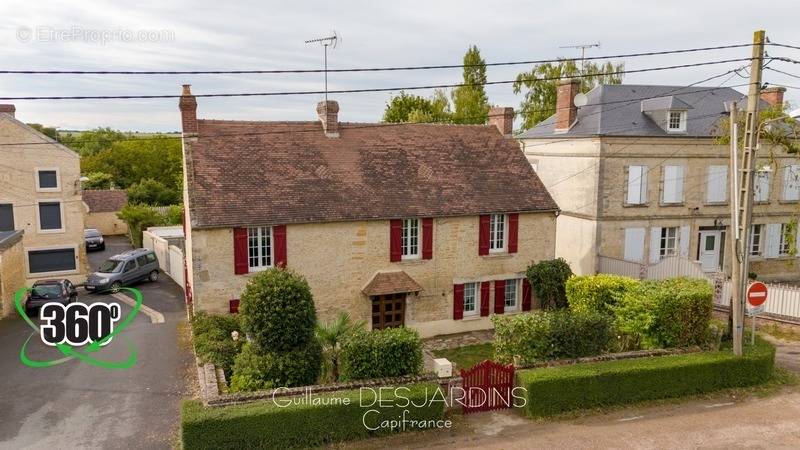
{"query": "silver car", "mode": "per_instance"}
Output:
(124, 269)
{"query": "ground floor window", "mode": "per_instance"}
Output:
(511, 302)
(388, 310)
(471, 306)
(669, 241)
(783, 247)
(51, 260)
(756, 231)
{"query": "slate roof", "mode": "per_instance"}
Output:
(391, 283)
(105, 200)
(267, 173)
(616, 110)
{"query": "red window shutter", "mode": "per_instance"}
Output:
(526, 295)
(240, 252)
(483, 235)
(458, 301)
(499, 296)
(279, 235)
(513, 231)
(395, 237)
(427, 238)
(233, 306)
(485, 298)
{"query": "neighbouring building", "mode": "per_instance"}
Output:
(640, 175)
(40, 193)
(102, 206)
(430, 226)
(12, 269)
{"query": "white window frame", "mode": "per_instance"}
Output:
(791, 183)
(761, 195)
(783, 244)
(756, 250)
(30, 274)
(259, 256)
(47, 169)
(406, 246)
(678, 187)
(638, 171)
(476, 297)
(664, 249)
(681, 121)
(516, 297)
(498, 244)
(39, 228)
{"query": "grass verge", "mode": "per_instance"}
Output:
(468, 355)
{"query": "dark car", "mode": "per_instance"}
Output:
(93, 239)
(46, 291)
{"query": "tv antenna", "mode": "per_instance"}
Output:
(582, 48)
(330, 41)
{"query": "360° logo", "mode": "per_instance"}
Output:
(78, 324)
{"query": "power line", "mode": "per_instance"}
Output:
(782, 45)
(351, 91)
(785, 73)
(362, 69)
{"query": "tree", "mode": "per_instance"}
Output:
(97, 180)
(153, 192)
(90, 142)
(405, 107)
(138, 218)
(331, 336)
(548, 280)
(50, 132)
(131, 161)
(775, 127)
(541, 84)
(469, 101)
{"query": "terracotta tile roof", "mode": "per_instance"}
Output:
(99, 200)
(265, 173)
(391, 283)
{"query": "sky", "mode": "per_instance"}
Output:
(241, 35)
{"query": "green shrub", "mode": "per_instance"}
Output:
(547, 279)
(255, 369)
(391, 352)
(212, 339)
(277, 310)
(266, 425)
(666, 313)
(554, 390)
(597, 292)
(543, 335)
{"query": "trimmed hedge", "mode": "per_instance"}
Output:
(213, 342)
(391, 352)
(597, 292)
(266, 425)
(255, 370)
(555, 390)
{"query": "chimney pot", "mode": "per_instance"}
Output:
(773, 95)
(188, 106)
(8, 109)
(503, 119)
(328, 112)
(566, 111)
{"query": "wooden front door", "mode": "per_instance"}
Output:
(388, 310)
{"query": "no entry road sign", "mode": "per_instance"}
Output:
(757, 294)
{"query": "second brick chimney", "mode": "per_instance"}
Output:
(503, 119)
(773, 95)
(188, 106)
(8, 109)
(328, 112)
(566, 111)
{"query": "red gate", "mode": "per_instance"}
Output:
(487, 386)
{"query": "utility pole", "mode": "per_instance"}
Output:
(744, 213)
(735, 324)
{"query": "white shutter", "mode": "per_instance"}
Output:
(772, 242)
(673, 184)
(634, 244)
(655, 244)
(761, 187)
(684, 241)
(637, 185)
(716, 188)
(791, 182)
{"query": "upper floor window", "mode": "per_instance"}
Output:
(672, 182)
(791, 183)
(47, 180)
(676, 121)
(497, 233)
(637, 185)
(756, 239)
(6, 217)
(410, 239)
(669, 241)
(471, 306)
(50, 218)
(259, 246)
(761, 186)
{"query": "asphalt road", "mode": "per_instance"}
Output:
(76, 405)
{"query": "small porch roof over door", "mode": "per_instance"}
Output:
(384, 283)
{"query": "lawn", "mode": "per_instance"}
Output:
(468, 355)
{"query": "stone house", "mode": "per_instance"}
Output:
(12, 269)
(640, 175)
(102, 206)
(40, 193)
(430, 226)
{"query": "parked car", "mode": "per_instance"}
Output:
(93, 239)
(124, 269)
(46, 291)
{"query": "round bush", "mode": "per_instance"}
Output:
(277, 311)
(547, 279)
(255, 369)
(597, 293)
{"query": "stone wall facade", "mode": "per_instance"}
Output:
(12, 274)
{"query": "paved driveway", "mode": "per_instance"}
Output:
(75, 405)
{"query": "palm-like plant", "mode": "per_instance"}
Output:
(330, 335)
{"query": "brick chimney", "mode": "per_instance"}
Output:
(188, 106)
(328, 112)
(773, 95)
(503, 119)
(8, 109)
(566, 111)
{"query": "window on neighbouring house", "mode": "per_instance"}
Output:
(761, 186)
(783, 247)
(410, 239)
(511, 303)
(47, 179)
(497, 233)
(52, 260)
(637, 185)
(6, 217)
(791, 183)
(756, 239)
(259, 246)
(669, 241)
(676, 121)
(50, 216)
(672, 181)
(717, 184)
(471, 306)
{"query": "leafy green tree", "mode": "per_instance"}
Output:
(548, 280)
(90, 142)
(139, 217)
(131, 161)
(406, 107)
(541, 82)
(50, 132)
(331, 335)
(153, 192)
(469, 101)
(97, 180)
(775, 127)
